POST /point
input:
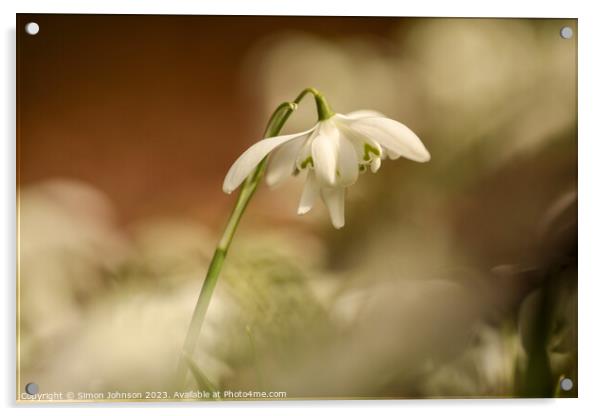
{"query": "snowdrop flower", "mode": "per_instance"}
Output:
(332, 154)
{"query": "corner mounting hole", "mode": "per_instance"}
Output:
(32, 28)
(566, 32)
(566, 384)
(31, 388)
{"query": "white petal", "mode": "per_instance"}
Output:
(334, 199)
(324, 151)
(347, 163)
(363, 113)
(375, 164)
(304, 155)
(398, 139)
(310, 193)
(246, 162)
(282, 161)
(359, 141)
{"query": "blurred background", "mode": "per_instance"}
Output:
(454, 278)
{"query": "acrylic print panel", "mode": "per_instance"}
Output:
(434, 162)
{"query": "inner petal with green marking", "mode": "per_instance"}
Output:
(368, 149)
(308, 161)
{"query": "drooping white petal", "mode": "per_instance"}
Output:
(246, 162)
(347, 163)
(282, 161)
(311, 191)
(334, 199)
(398, 139)
(363, 113)
(324, 151)
(375, 164)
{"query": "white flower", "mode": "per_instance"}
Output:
(332, 153)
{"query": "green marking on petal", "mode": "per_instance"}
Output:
(308, 161)
(369, 149)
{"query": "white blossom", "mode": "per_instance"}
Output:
(331, 155)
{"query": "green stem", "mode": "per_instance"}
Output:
(279, 117)
(324, 110)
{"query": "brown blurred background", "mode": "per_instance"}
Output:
(136, 104)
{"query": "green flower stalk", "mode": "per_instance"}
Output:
(275, 124)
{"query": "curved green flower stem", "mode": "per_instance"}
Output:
(324, 111)
(277, 120)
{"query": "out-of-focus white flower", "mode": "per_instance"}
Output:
(332, 153)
